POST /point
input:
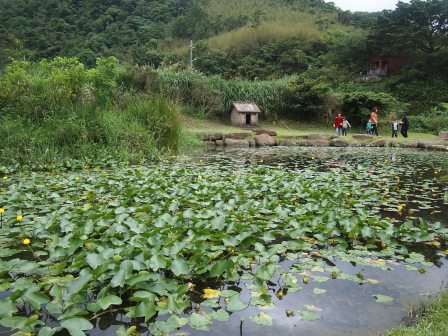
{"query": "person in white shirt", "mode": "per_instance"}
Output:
(395, 129)
(345, 126)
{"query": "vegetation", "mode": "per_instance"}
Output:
(52, 111)
(432, 320)
(163, 241)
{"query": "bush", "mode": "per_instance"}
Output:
(52, 111)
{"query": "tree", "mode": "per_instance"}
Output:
(418, 26)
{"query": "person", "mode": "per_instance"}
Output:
(404, 126)
(345, 126)
(395, 129)
(338, 123)
(374, 118)
(369, 127)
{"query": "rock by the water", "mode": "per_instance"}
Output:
(238, 136)
(212, 136)
(252, 143)
(265, 131)
(264, 140)
(287, 143)
(219, 143)
(443, 135)
(316, 143)
(338, 143)
(408, 145)
(321, 136)
(378, 143)
(236, 143)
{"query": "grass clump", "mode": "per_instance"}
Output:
(433, 320)
(53, 111)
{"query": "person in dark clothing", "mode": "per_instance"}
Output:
(404, 126)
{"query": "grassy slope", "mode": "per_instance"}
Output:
(285, 127)
(435, 322)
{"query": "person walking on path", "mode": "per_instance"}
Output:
(404, 126)
(345, 126)
(395, 129)
(374, 118)
(338, 124)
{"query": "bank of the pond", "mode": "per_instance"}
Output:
(433, 320)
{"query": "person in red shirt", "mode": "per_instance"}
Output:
(338, 124)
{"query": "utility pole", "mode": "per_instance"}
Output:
(191, 54)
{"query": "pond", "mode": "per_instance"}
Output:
(275, 241)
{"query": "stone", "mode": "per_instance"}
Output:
(252, 143)
(362, 136)
(236, 143)
(338, 143)
(265, 131)
(408, 145)
(264, 140)
(443, 135)
(320, 136)
(393, 143)
(378, 143)
(219, 143)
(287, 143)
(424, 144)
(212, 136)
(316, 143)
(210, 144)
(238, 136)
(441, 148)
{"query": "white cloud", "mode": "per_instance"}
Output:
(366, 5)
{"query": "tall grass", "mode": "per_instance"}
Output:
(43, 121)
(214, 95)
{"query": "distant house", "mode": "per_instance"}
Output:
(244, 114)
(381, 66)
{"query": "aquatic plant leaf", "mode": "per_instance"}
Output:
(319, 291)
(76, 325)
(262, 319)
(235, 304)
(210, 293)
(383, 298)
(307, 315)
(220, 315)
(107, 301)
(200, 321)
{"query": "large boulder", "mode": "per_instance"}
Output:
(443, 135)
(212, 136)
(338, 143)
(424, 144)
(264, 140)
(265, 131)
(236, 143)
(362, 136)
(238, 136)
(219, 142)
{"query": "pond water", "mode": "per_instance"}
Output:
(413, 185)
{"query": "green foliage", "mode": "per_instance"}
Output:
(306, 97)
(54, 110)
(139, 239)
(214, 95)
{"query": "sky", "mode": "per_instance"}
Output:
(365, 5)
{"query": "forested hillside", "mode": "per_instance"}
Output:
(322, 50)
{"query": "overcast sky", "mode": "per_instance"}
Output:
(365, 5)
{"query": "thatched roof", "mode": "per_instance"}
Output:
(246, 107)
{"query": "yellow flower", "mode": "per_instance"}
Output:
(2, 210)
(211, 293)
(400, 208)
(19, 217)
(26, 241)
(5, 178)
(28, 334)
